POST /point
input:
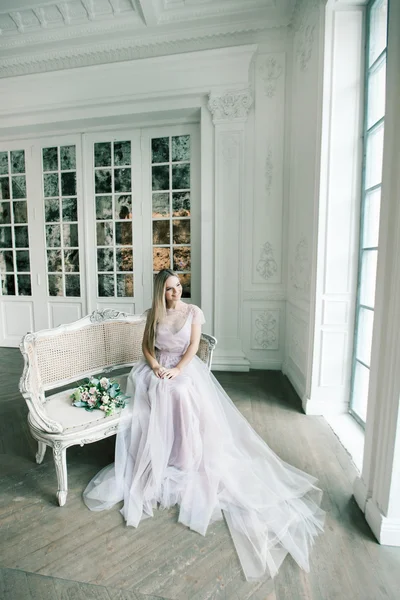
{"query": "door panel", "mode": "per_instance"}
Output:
(64, 281)
(113, 215)
(16, 239)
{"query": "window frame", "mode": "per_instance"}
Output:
(369, 70)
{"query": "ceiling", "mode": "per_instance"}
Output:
(42, 35)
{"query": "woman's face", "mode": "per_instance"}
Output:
(173, 289)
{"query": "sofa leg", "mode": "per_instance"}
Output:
(60, 460)
(41, 452)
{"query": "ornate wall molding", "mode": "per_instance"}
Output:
(230, 147)
(270, 71)
(267, 265)
(304, 23)
(269, 296)
(268, 171)
(230, 106)
(300, 268)
(265, 330)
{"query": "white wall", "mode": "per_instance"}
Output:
(303, 177)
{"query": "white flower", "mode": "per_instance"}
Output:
(104, 382)
(92, 391)
(105, 399)
(103, 407)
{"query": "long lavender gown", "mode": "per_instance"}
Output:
(183, 441)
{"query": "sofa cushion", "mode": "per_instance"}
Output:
(59, 407)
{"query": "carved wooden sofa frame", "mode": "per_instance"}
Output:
(99, 343)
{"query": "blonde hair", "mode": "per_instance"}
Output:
(158, 308)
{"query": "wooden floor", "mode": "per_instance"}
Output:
(52, 553)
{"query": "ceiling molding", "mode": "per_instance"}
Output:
(47, 35)
(124, 50)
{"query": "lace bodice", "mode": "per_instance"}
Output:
(173, 332)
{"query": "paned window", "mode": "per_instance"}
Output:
(375, 62)
(15, 276)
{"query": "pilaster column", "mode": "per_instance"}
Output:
(229, 111)
(377, 491)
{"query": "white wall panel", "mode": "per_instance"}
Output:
(16, 320)
(64, 312)
(268, 169)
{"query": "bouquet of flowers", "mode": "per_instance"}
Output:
(99, 393)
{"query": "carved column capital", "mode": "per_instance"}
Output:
(230, 106)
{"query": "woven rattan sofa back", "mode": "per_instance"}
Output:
(67, 355)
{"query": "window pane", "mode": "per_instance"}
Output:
(181, 147)
(50, 159)
(185, 279)
(72, 285)
(360, 391)
(373, 168)
(106, 285)
(67, 157)
(8, 285)
(364, 335)
(5, 213)
(24, 285)
(371, 219)
(368, 277)
(161, 259)
(378, 29)
(55, 285)
(122, 153)
(160, 150)
(161, 233)
(160, 205)
(3, 163)
(376, 94)
(124, 285)
(17, 159)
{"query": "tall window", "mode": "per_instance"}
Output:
(375, 79)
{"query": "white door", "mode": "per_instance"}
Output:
(17, 286)
(171, 205)
(114, 221)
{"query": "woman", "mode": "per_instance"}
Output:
(183, 441)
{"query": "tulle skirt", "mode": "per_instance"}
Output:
(184, 442)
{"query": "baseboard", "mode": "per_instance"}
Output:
(266, 365)
(386, 530)
(360, 493)
(230, 363)
(320, 407)
(296, 382)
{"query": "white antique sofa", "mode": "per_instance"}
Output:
(57, 358)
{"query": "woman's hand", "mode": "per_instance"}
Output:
(171, 373)
(159, 371)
